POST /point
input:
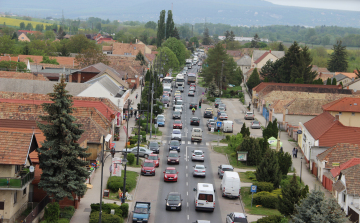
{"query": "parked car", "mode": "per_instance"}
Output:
(221, 109)
(208, 114)
(192, 105)
(154, 146)
(249, 115)
(177, 115)
(177, 124)
(210, 109)
(161, 116)
(155, 158)
(199, 171)
(209, 121)
(223, 116)
(222, 105)
(170, 174)
(181, 89)
(195, 121)
(191, 93)
(217, 103)
(160, 122)
(173, 157)
(173, 201)
(142, 151)
(176, 134)
(236, 217)
(198, 155)
(148, 168)
(211, 125)
(255, 125)
(224, 167)
(174, 145)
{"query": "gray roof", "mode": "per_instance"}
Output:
(258, 53)
(35, 68)
(108, 84)
(340, 77)
(38, 87)
(244, 61)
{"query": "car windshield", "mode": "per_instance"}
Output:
(196, 130)
(180, 88)
(160, 116)
(198, 153)
(212, 123)
(255, 122)
(149, 164)
(153, 157)
(153, 144)
(199, 167)
(140, 210)
(173, 155)
(249, 113)
(176, 113)
(240, 220)
(195, 119)
(227, 169)
(177, 106)
(179, 102)
(174, 143)
(170, 171)
(223, 114)
(211, 120)
(174, 198)
(191, 92)
(177, 121)
(176, 132)
(160, 120)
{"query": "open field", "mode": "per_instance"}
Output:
(16, 22)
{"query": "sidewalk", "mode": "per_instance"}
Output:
(82, 214)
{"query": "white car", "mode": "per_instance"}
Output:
(223, 116)
(161, 116)
(236, 217)
(197, 155)
(178, 108)
(199, 171)
(176, 134)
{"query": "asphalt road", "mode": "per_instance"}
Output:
(186, 182)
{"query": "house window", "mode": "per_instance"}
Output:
(340, 113)
(17, 169)
(2, 205)
(353, 113)
(24, 191)
(15, 197)
(344, 197)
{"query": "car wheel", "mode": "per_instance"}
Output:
(154, 174)
(146, 156)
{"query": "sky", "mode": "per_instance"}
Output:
(350, 5)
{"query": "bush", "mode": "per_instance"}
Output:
(227, 138)
(121, 211)
(63, 220)
(131, 158)
(52, 212)
(125, 210)
(67, 212)
(212, 99)
(115, 182)
(266, 199)
(270, 219)
(264, 186)
(105, 218)
(250, 175)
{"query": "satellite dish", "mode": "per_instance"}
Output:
(31, 168)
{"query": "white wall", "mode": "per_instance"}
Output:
(308, 143)
(295, 119)
(98, 91)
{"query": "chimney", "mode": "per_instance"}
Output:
(270, 51)
(337, 117)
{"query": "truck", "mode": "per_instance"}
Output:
(180, 80)
(191, 78)
(188, 63)
(141, 212)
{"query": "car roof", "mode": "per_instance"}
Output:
(170, 168)
(148, 161)
(198, 150)
(173, 151)
(199, 165)
(227, 166)
(239, 215)
(176, 130)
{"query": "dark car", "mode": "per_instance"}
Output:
(154, 146)
(174, 145)
(195, 121)
(208, 114)
(173, 201)
(193, 105)
(217, 103)
(176, 115)
(173, 157)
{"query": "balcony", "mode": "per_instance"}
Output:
(16, 183)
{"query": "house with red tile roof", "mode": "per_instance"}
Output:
(260, 57)
(348, 110)
(24, 76)
(128, 49)
(9, 58)
(23, 38)
(67, 62)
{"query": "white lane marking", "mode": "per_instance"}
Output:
(189, 142)
(164, 141)
(207, 144)
(187, 193)
(188, 217)
(186, 175)
(187, 204)
(186, 167)
(187, 183)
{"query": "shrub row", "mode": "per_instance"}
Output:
(105, 218)
(267, 199)
(270, 219)
(120, 210)
(115, 182)
(264, 186)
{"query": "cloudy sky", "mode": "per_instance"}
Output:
(351, 5)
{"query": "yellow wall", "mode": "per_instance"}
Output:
(10, 207)
(263, 61)
(7, 171)
(94, 149)
(347, 119)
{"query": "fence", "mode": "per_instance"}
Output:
(36, 211)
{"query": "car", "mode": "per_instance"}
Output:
(181, 89)
(161, 116)
(170, 174)
(177, 124)
(211, 125)
(176, 134)
(255, 125)
(236, 217)
(199, 171)
(155, 158)
(222, 105)
(148, 168)
(195, 121)
(173, 201)
(192, 105)
(173, 157)
(142, 151)
(224, 167)
(208, 114)
(202, 221)
(166, 95)
(210, 109)
(217, 103)
(177, 115)
(174, 145)
(177, 97)
(178, 108)
(193, 85)
(198, 155)
(209, 121)
(200, 63)
(192, 88)
(160, 122)
(191, 93)
(221, 109)
(177, 92)
(249, 115)
(154, 146)
(223, 116)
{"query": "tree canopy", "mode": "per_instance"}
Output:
(338, 59)
(178, 48)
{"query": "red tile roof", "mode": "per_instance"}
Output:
(67, 61)
(9, 58)
(339, 153)
(320, 124)
(338, 133)
(262, 57)
(27, 31)
(352, 162)
(352, 178)
(262, 85)
(25, 76)
(343, 105)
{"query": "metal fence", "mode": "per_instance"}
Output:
(36, 211)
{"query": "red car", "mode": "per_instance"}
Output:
(177, 124)
(170, 174)
(148, 168)
(154, 158)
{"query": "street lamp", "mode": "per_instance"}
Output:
(124, 162)
(301, 167)
(105, 139)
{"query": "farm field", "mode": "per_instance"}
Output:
(16, 22)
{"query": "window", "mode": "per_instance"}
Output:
(353, 113)
(17, 168)
(206, 197)
(2, 204)
(24, 191)
(15, 197)
(344, 197)
(202, 196)
(340, 113)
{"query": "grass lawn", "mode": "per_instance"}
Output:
(245, 179)
(232, 159)
(246, 198)
(158, 133)
(236, 88)
(134, 164)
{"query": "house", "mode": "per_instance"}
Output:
(322, 72)
(244, 63)
(105, 40)
(348, 110)
(127, 49)
(276, 110)
(67, 62)
(107, 49)
(19, 32)
(9, 58)
(86, 73)
(15, 175)
(115, 77)
(260, 57)
(24, 76)
(325, 130)
(353, 85)
(352, 76)
(340, 78)
(347, 192)
(23, 38)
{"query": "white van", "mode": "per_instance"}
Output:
(228, 126)
(196, 134)
(204, 197)
(230, 185)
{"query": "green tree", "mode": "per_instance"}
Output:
(39, 27)
(141, 58)
(268, 170)
(318, 81)
(12, 65)
(333, 81)
(176, 34)
(7, 45)
(22, 25)
(61, 158)
(49, 35)
(206, 40)
(46, 59)
(29, 26)
(316, 208)
(251, 145)
(161, 29)
(26, 49)
(235, 141)
(253, 80)
(285, 162)
(91, 56)
(178, 49)
(78, 43)
(290, 195)
(255, 41)
(328, 81)
(281, 47)
(64, 52)
(245, 131)
(14, 36)
(150, 25)
(60, 33)
(194, 40)
(338, 59)
(171, 63)
(169, 25)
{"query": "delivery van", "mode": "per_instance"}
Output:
(196, 134)
(230, 185)
(227, 126)
(204, 197)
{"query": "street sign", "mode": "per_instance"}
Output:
(218, 124)
(253, 188)
(112, 144)
(215, 118)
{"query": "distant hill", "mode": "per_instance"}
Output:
(233, 12)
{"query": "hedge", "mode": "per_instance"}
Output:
(270, 219)
(52, 212)
(251, 175)
(67, 212)
(120, 210)
(105, 218)
(267, 199)
(115, 182)
(264, 186)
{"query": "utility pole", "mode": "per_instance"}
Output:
(152, 105)
(138, 147)
(221, 79)
(192, 30)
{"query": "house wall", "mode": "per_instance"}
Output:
(295, 119)
(263, 61)
(7, 170)
(11, 210)
(244, 69)
(347, 118)
(278, 116)
(81, 77)
(307, 142)
(354, 86)
(344, 81)
(99, 91)
(133, 82)
(94, 149)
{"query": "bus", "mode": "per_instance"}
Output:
(189, 63)
(180, 80)
(167, 80)
(191, 78)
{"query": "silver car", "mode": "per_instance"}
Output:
(209, 121)
(199, 171)
(224, 167)
(255, 125)
(142, 151)
(197, 155)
